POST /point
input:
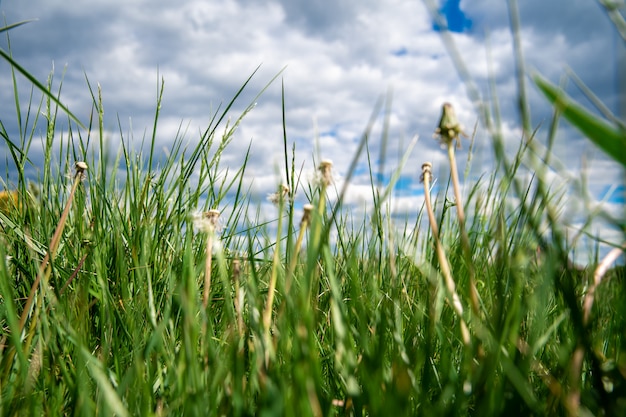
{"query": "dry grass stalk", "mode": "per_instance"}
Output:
(441, 255)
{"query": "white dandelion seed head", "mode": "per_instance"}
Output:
(323, 175)
(282, 194)
(207, 221)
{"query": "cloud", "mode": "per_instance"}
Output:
(337, 61)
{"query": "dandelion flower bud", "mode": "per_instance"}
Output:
(449, 128)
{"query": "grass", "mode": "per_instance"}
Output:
(118, 298)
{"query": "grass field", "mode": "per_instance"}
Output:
(127, 289)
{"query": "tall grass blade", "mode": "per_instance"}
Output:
(611, 139)
(39, 86)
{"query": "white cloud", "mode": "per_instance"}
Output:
(338, 59)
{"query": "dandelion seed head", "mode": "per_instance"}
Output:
(306, 215)
(216, 246)
(325, 169)
(81, 169)
(282, 194)
(207, 221)
(81, 166)
(426, 170)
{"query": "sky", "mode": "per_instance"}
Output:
(337, 59)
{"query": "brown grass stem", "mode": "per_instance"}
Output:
(44, 270)
(304, 223)
(572, 401)
(44, 267)
(271, 291)
(236, 266)
(441, 255)
(598, 274)
(465, 243)
(211, 218)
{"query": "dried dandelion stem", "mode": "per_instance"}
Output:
(267, 313)
(44, 267)
(465, 243)
(441, 255)
(572, 401)
(236, 266)
(323, 182)
(304, 223)
(207, 270)
(211, 217)
(598, 274)
(449, 132)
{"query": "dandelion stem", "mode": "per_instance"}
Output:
(572, 401)
(306, 219)
(598, 274)
(44, 267)
(236, 265)
(441, 255)
(267, 313)
(465, 243)
(210, 220)
(207, 269)
(325, 179)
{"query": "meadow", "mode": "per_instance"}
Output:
(127, 289)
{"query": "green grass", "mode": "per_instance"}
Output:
(118, 326)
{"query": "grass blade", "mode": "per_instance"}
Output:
(610, 139)
(39, 86)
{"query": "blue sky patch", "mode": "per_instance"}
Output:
(400, 52)
(404, 183)
(617, 194)
(456, 19)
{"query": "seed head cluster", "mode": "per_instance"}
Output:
(207, 221)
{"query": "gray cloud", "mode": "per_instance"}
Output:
(319, 18)
(338, 58)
